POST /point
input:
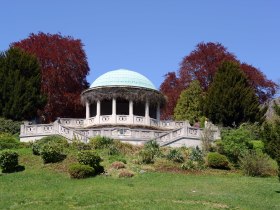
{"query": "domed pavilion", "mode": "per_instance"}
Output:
(123, 105)
(122, 97)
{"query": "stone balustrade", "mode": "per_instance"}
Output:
(80, 129)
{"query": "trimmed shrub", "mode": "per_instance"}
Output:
(117, 165)
(91, 158)
(8, 161)
(258, 164)
(100, 142)
(126, 173)
(7, 141)
(37, 145)
(52, 152)
(216, 160)
(9, 126)
(175, 155)
(80, 171)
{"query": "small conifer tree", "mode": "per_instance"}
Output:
(189, 105)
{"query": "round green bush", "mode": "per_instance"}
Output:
(218, 161)
(52, 153)
(8, 160)
(8, 141)
(80, 171)
(91, 158)
(37, 145)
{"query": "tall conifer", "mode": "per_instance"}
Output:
(20, 96)
(230, 99)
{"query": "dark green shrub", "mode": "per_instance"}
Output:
(7, 141)
(80, 171)
(91, 158)
(216, 160)
(37, 145)
(9, 126)
(52, 152)
(8, 160)
(175, 155)
(254, 163)
(100, 142)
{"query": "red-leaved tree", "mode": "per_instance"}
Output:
(171, 87)
(64, 69)
(201, 64)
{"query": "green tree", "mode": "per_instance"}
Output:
(271, 136)
(20, 96)
(230, 99)
(189, 105)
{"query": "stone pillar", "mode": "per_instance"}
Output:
(131, 120)
(147, 113)
(87, 110)
(114, 110)
(98, 111)
(158, 112)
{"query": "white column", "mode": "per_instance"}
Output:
(131, 112)
(98, 111)
(87, 110)
(114, 110)
(158, 112)
(147, 113)
(98, 108)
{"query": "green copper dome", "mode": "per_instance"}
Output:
(123, 77)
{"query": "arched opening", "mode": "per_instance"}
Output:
(139, 109)
(106, 107)
(122, 107)
(153, 111)
(92, 110)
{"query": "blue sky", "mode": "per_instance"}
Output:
(151, 36)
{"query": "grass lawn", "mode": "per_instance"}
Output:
(39, 187)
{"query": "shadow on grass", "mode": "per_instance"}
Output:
(18, 168)
(277, 191)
